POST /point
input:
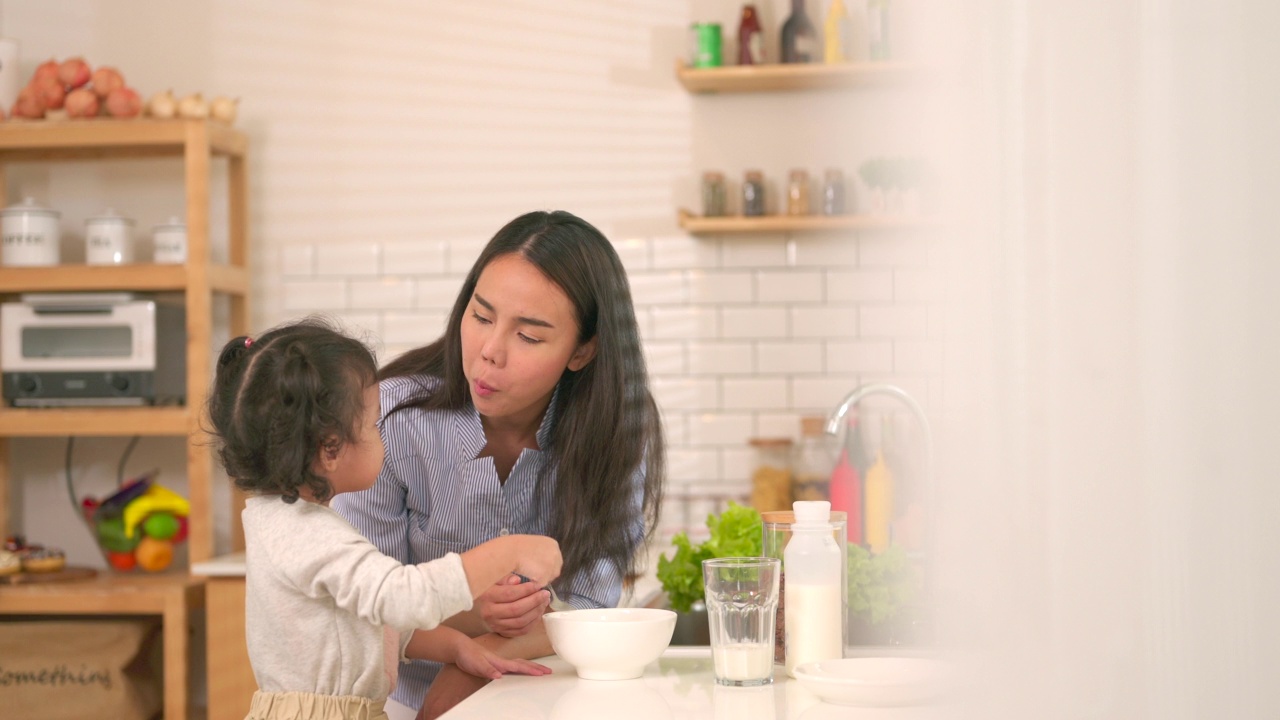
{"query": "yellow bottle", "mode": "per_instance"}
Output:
(879, 504)
(835, 46)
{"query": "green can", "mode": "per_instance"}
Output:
(705, 40)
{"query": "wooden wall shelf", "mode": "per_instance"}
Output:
(30, 140)
(96, 422)
(141, 277)
(737, 224)
(808, 76)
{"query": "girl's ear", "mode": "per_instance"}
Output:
(585, 353)
(327, 456)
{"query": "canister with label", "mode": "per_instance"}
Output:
(108, 239)
(170, 241)
(705, 41)
(29, 234)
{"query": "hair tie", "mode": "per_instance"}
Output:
(248, 342)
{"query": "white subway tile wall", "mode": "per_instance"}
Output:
(374, 192)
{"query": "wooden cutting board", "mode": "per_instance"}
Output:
(64, 575)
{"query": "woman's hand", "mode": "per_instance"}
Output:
(474, 659)
(510, 607)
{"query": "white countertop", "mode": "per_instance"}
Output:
(678, 686)
(222, 566)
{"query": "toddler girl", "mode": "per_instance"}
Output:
(327, 615)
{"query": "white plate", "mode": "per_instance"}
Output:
(876, 681)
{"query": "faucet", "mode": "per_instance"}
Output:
(836, 420)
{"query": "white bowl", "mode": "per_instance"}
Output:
(876, 681)
(610, 643)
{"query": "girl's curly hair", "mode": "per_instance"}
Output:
(279, 399)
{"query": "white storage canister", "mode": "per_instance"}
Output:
(29, 234)
(108, 239)
(170, 242)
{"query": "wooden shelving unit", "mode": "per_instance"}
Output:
(196, 143)
(808, 76)
(738, 224)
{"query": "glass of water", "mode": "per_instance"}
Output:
(742, 602)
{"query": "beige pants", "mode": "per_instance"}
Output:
(310, 706)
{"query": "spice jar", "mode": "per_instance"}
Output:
(771, 480)
(753, 193)
(712, 194)
(833, 192)
(798, 192)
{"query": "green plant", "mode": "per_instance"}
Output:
(737, 532)
(880, 585)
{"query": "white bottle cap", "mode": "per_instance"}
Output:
(812, 512)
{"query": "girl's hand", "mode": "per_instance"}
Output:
(510, 608)
(538, 558)
(474, 659)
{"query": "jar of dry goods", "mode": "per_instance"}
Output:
(771, 480)
(798, 192)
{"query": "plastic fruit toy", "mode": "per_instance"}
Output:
(139, 525)
(154, 555)
(160, 525)
(122, 561)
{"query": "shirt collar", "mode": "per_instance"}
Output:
(470, 431)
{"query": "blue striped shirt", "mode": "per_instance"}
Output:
(434, 496)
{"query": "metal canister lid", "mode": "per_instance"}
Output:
(108, 217)
(28, 206)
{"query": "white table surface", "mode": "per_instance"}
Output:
(680, 685)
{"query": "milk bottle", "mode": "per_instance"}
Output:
(813, 600)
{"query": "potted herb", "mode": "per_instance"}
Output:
(882, 588)
(737, 532)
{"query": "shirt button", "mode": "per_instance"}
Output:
(504, 531)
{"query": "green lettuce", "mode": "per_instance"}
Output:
(737, 532)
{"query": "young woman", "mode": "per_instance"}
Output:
(532, 414)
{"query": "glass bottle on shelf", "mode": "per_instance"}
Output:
(878, 29)
(799, 40)
(750, 38)
(753, 193)
(835, 40)
(833, 192)
(798, 192)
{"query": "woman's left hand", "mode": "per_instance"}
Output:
(512, 608)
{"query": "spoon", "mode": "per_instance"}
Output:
(557, 604)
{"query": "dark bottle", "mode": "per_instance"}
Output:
(750, 40)
(799, 39)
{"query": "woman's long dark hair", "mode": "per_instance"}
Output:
(606, 424)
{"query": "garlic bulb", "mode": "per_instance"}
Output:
(193, 107)
(162, 105)
(224, 108)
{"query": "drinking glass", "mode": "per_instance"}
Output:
(742, 603)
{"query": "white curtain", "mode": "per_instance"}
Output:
(1109, 471)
